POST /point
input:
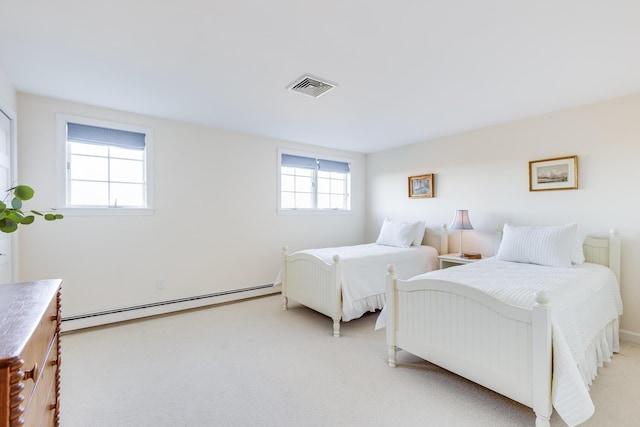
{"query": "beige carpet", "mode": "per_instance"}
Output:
(251, 364)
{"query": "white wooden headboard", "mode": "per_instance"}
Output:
(438, 238)
(604, 250)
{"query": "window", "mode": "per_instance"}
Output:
(311, 183)
(104, 164)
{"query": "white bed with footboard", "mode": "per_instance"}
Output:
(534, 333)
(345, 282)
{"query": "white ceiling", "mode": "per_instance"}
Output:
(407, 71)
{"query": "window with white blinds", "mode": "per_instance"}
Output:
(310, 183)
(105, 165)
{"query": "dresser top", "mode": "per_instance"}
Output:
(22, 305)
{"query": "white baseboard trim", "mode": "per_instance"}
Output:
(632, 337)
(73, 323)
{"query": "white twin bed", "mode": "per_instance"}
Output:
(534, 333)
(532, 323)
(345, 282)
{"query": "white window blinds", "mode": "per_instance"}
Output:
(104, 136)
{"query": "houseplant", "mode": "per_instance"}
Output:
(12, 215)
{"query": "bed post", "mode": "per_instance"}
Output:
(283, 273)
(390, 315)
(444, 240)
(337, 309)
(541, 359)
(614, 252)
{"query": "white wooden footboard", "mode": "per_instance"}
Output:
(312, 282)
(454, 326)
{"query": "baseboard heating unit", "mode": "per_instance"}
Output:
(105, 317)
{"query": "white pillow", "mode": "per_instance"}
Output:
(397, 233)
(551, 246)
(577, 251)
(420, 227)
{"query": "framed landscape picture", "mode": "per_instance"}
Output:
(560, 173)
(421, 186)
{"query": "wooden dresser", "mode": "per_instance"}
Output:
(30, 353)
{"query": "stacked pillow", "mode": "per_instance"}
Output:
(401, 234)
(554, 246)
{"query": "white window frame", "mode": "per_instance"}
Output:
(61, 137)
(312, 211)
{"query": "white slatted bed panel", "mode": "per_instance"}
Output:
(604, 251)
(449, 324)
(321, 290)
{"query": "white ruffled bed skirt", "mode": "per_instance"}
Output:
(572, 379)
(355, 309)
(600, 351)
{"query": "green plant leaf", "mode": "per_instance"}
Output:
(8, 226)
(28, 220)
(23, 192)
(12, 216)
(15, 216)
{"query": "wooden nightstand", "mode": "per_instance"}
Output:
(452, 260)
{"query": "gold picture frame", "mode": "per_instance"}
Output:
(560, 173)
(421, 186)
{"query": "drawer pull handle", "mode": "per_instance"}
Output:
(54, 318)
(54, 362)
(32, 374)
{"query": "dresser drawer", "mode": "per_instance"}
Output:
(40, 410)
(37, 349)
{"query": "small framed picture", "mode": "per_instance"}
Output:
(560, 173)
(421, 186)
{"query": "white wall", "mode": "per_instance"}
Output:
(7, 93)
(215, 228)
(486, 171)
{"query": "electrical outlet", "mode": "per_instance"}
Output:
(160, 284)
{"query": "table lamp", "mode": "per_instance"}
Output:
(461, 222)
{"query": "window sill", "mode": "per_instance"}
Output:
(314, 212)
(105, 211)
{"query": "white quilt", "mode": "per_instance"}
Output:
(585, 307)
(364, 270)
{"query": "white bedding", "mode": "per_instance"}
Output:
(364, 272)
(585, 306)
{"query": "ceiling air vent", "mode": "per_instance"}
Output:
(310, 86)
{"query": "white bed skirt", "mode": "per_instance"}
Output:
(574, 403)
(356, 309)
(602, 348)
